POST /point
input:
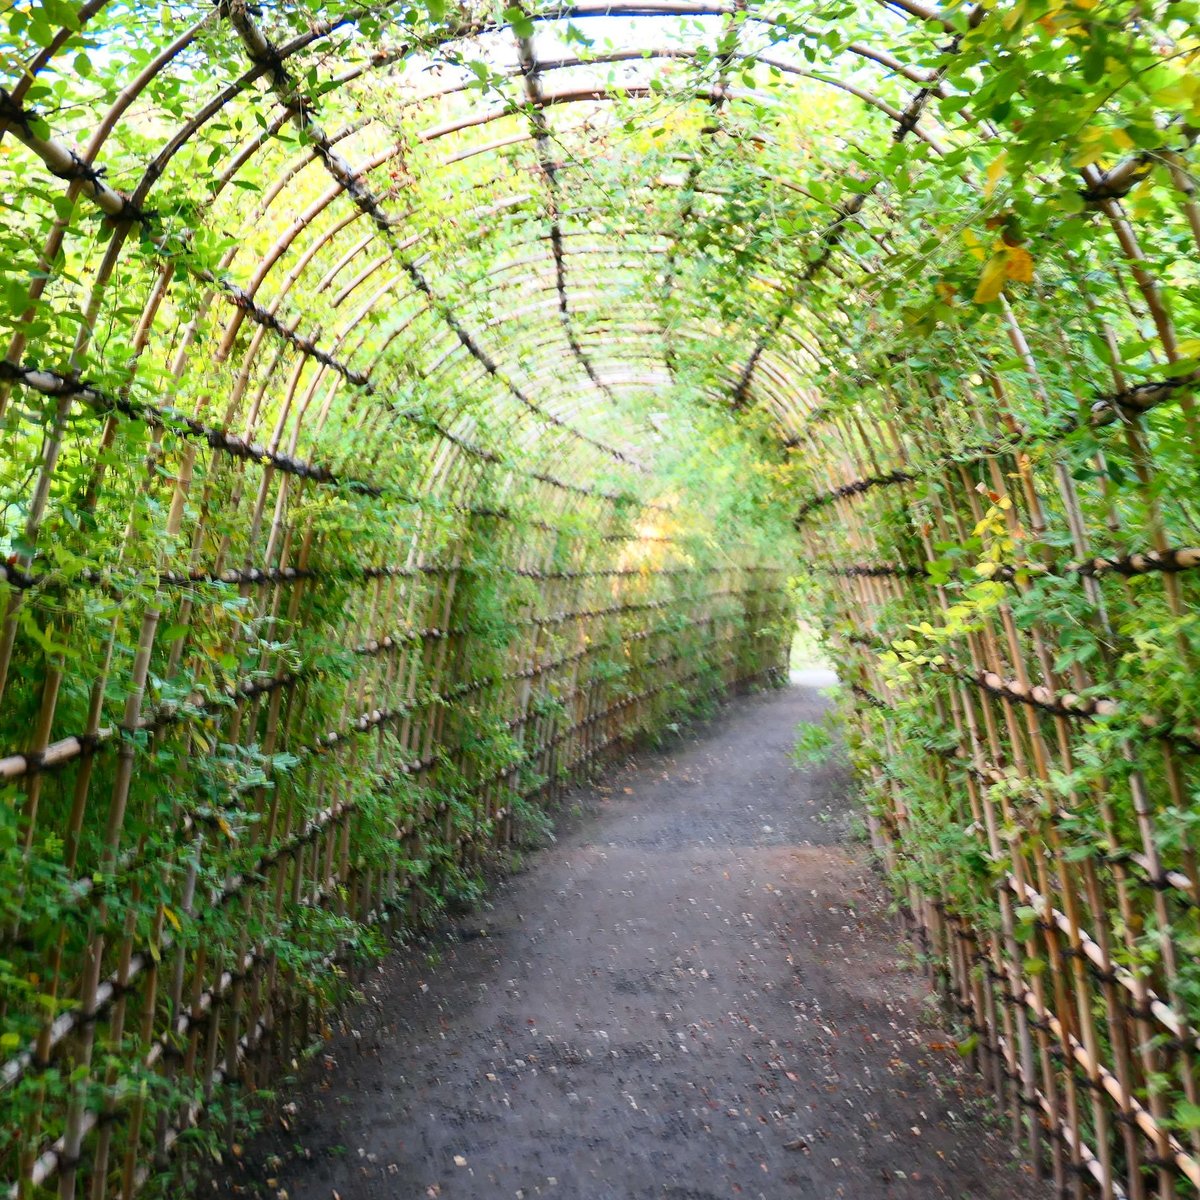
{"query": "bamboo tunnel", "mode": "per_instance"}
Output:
(406, 408)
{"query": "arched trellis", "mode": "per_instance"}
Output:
(441, 132)
(374, 487)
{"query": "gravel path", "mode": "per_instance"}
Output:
(696, 993)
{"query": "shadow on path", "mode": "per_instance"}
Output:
(696, 993)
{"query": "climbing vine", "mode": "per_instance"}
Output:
(1008, 584)
(322, 574)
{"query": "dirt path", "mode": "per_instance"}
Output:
(695, 994)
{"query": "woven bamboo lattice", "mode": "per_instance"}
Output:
(404, 407)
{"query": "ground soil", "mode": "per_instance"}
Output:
(696, 993)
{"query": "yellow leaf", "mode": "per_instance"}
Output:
(991, 282)
(1181, 92)
(995, 173)
(1014, 16)
(1090, 148)
(974, 244)
(1141, 200)
(1018, 264)
(1096, 142)
(170, 915)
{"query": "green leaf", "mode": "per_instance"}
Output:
(1187, 1115)
(520, 21)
